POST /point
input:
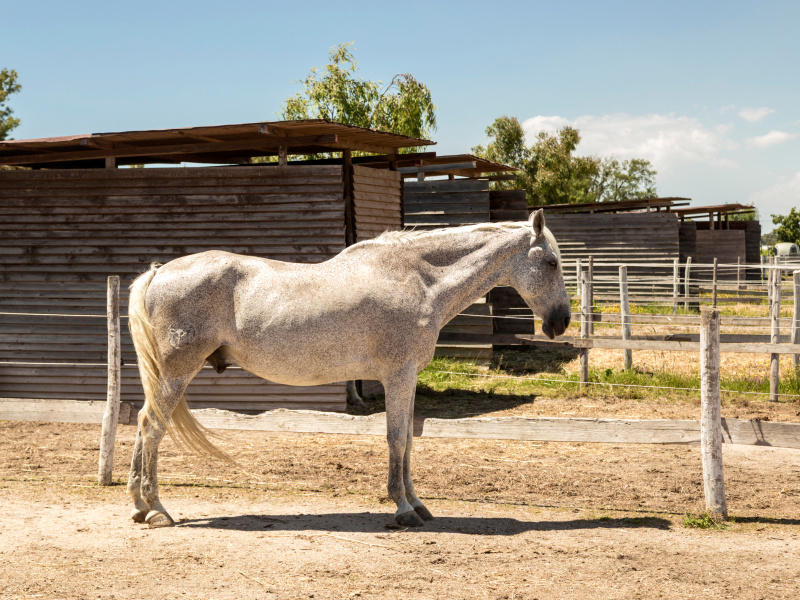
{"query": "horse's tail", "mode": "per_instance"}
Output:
(184, 428)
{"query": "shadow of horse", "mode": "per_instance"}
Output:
(366, 522)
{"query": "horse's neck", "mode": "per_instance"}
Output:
(468, 267)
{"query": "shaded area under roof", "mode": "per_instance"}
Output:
(219, 144)
(713, 209)
(646, 204)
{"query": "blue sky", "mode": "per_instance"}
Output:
(708, 91)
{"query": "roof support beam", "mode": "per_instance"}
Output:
(327, 140)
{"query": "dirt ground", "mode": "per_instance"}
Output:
(307, 516)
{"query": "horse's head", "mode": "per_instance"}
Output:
(536, 275)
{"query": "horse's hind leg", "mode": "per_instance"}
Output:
(141, 508)
(143, 481)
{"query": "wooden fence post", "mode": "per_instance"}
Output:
(769, 284)
(775, 331)
(711, 414)
(676, 278)
(714, 285)
(625, 314)
(578, 271)
(687, 283)
(796, 319)
(738, 274)
(590, 279)
(111, 414)
(585, 308)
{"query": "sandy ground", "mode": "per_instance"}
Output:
(307, 517)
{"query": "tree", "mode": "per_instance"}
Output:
(335, 93)
(627, 180)
(552, 174)
(8, 86)
(788, 229)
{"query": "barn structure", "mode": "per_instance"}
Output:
(72, 218)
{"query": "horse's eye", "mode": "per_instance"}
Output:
(553, 263)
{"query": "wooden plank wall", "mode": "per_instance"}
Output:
(451, 203)
(642, 237)
(377, 200)
(446, 203)
(727, 246)
(62, 232)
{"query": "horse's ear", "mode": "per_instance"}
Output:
(537, 223)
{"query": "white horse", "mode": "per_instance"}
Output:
(374, 311)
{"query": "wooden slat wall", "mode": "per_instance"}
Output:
(62, 232)
(377, 200)
(446, 203)
(616, 237)
(727, 246)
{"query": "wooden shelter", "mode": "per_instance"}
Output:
(707, 232)
(73, 218)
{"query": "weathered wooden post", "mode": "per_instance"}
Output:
(714, 285)
(585, 312)
(711, 414)
(738, 274)
(775, 332)
(676, 281)
(687, 283)
(769, 284)
(796, 319)
(625, 314)
(111, 415)
(578, 271)
(590, 279)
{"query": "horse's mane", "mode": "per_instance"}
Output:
(409, 235)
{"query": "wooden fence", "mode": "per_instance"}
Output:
(711, 431)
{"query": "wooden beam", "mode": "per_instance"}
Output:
(444, 167)
(328, 140)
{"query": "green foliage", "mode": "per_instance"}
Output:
(704, 521)
(552, 174)
(788, 229)
(769, 239)
(627, 180)
(334, 92)
(8, 86)
(751, 215)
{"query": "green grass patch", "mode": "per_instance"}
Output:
(705, 521)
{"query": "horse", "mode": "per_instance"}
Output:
(373, 311)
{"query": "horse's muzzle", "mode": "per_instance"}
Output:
(556, 322)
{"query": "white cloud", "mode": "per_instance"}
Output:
(665, 140)
(754, 114)
(777, 199)
(772, 138)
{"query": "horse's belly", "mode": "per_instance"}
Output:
(296, 360)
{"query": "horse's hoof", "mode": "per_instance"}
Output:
(356, 403)
(409, 519)
(159, 519)
(423, 512)
(138, 516)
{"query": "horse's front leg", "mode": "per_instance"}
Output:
(399, 429)
(415, 502)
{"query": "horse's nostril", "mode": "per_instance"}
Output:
(566, 322)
